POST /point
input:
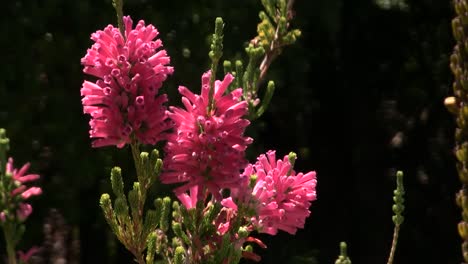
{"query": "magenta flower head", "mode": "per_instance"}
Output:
(124, 100)
(19, 178)
(282, 197)
(208, 145)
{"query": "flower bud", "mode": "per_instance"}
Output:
(117, 182)
(179, 255)
(165, 210)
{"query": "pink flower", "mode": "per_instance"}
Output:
(24, 257)
(207, 148)
(24, 211)
(19, 177)
(283, 197)
(189, 201)
(124, 100)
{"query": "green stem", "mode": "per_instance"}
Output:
(136, 158)
(118, 5)
(10, 245)
(139, 242)
(396, 230)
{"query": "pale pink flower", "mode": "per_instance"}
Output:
(207, 148)
(24, 211)
(19, 177)
(124, 100)
(33, 191)
(282, 197)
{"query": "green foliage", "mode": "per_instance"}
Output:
(343, 257)
(137, 229)
(399, 200)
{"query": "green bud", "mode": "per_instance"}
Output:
(227, 65)
(154, 156)
(176, 210)
(253, 180)
(266, 99)
(243, 232)
(399, 206)
(105, 202)
(158, 167)
(134, 200)
(291, 37)
(4, 147)
(151, 246)
(117, 182)
(398, 219)
(144, 160)
(165, 210)
(216, 48)
(177, 228)
(106, 206)
(151, 221)
(248, 248)
(292, 159)
(121, 209)
(343, 257)
(158, 204)
(145, 170)
(186, 53)
(239, 74)
(179, 255)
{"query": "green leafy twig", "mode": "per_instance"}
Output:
(216, 51)
(118, 6)
(398, 209)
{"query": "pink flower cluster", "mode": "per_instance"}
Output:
(208, 147)
(280, 197)
(283, 197)
(124, 100)
(19, 178)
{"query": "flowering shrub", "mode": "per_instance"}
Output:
(222, 199)
(205, 149)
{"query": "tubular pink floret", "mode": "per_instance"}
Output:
(207, 148)
(124, 101)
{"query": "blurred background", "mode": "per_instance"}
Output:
(358, 97)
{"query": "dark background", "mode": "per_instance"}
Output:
(358, 97)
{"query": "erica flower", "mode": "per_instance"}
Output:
(24, 257)
(124, 99)
(282, 197)
(207, 148)
(19, 178)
